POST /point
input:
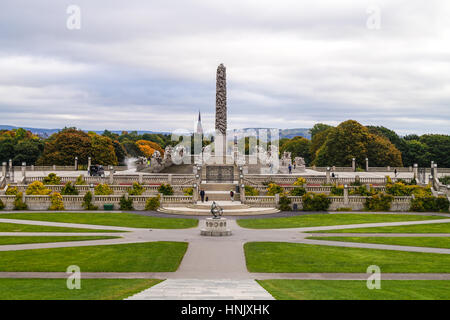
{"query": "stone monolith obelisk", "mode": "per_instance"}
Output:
(221, 111)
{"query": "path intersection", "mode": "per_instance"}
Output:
(215, 267)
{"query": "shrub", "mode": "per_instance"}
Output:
(337, 191)
(445, 180)
(188, 191)
(87, 202)
(298, 192)
(273, 189)
(362, 191)
(379, 202)
(52, 178)
(358, 169)
(18, 202)
(166, 189)
(2, 205)
(315, 202)
(430, 204)
(399, 189)
(136, 190)
(69, 190)
(251, 191)
(152, 204)
(80, 181)
(284, 203)
(267, 183)
(12, 191)
(37, 188)
(300, 182)
(126, 204)
(102, 190)
(56, 200)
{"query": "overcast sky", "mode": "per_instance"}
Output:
(150, 65)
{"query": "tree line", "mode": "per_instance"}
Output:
(338, 145)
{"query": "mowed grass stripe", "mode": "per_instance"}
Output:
(357, 290)
(7, 240)
(295, 257)
(431, 242)
(129, 220)
(318, 220)
(17, 227)
(134, 257)
(56, 289)
(419, 228)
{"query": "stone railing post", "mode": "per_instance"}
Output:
(357, 179)
(277, 199)
(169, 178)
(368, 187)
(24, 170)
(416, 171)
(89, 164)
(353, 164)
(32, 167)
(111, 174)
(54, 167)
(242, 192)
(76, 164)
(141, 178)
(367, 164)
(346, 202)
(328, 177)
(4, 169)
(195, 193)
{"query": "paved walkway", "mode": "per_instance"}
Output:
(214, 267)
(195, 289)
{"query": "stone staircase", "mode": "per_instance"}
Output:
(219, 191)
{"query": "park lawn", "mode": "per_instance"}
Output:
(16, 227)
(318, 220)
(134, 257)
(286, 257)
(5, 240)
(56, 289)
(418, 228)
(129, 220)
(432, 242)
(357, 290)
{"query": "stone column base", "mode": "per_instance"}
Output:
(216, 228)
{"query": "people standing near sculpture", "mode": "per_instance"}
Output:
(232, 195)
(290, 168)
(202, 195)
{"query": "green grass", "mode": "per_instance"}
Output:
(135, 257)
(419, 228)
(318, 220)
(295, 257)
(4, 240)
(130, 220)
(16, 227)
(56, 289)
(433, 242)
(357, 290)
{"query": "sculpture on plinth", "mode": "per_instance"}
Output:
(216, 210)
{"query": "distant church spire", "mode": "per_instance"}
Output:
(199, 129)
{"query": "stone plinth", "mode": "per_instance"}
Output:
(216, 227)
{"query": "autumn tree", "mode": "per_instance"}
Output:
(299, 147)
(103, 151)
(352, 140)
(62, 148)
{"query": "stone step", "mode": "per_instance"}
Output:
(226, 212)
(195, 289)
(218, 187)
(220, 196)
(222, 204)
